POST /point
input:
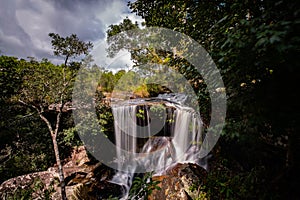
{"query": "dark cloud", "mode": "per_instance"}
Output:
(13, 38)
(75, 4)
(24, 25)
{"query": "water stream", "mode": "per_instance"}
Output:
(154, 134)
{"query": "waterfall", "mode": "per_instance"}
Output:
(154, 141)
(125, 139)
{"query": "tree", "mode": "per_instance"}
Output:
(126, 24)
(248, 41)
(47, 88)
(10, 81)
(254, 44)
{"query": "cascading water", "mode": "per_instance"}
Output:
(176, 136)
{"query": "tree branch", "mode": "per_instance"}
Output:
(58, 116)
(48, 124)
(40, 112)
(29, 105)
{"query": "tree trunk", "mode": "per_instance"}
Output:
(60, 169)
(56, 151)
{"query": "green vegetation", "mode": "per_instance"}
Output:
(143, 187)
(43, 90)
(255, 46)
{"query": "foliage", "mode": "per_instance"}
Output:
(121, 81)
(107, 81)
(201, 195)
(225, 183)
(143, 187)
(70, 137)
(158, 111)
(239, 37)
(140, 114)
(44, 88)
(106, 120)
(26, 145)
(10, 81)
(10, 76)
(145, 90)
(126, 24)
(112, 198)
(26, 148)
(70, 46)
(255, 46)
(43, 84)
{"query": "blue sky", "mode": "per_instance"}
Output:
(24, 25)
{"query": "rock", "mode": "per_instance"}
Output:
(96, 190)
(44, 179)
(80, 174)
(181, 181)
(87, 180)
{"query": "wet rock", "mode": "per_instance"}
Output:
(181, 181)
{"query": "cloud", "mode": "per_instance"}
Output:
(24, 25)
(13, 37)
(120, 61)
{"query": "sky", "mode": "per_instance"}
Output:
(25, 25)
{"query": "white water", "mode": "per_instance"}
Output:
(159, 152)
(125, 139)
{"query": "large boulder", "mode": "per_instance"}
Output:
(182, 181)
(37, 185)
